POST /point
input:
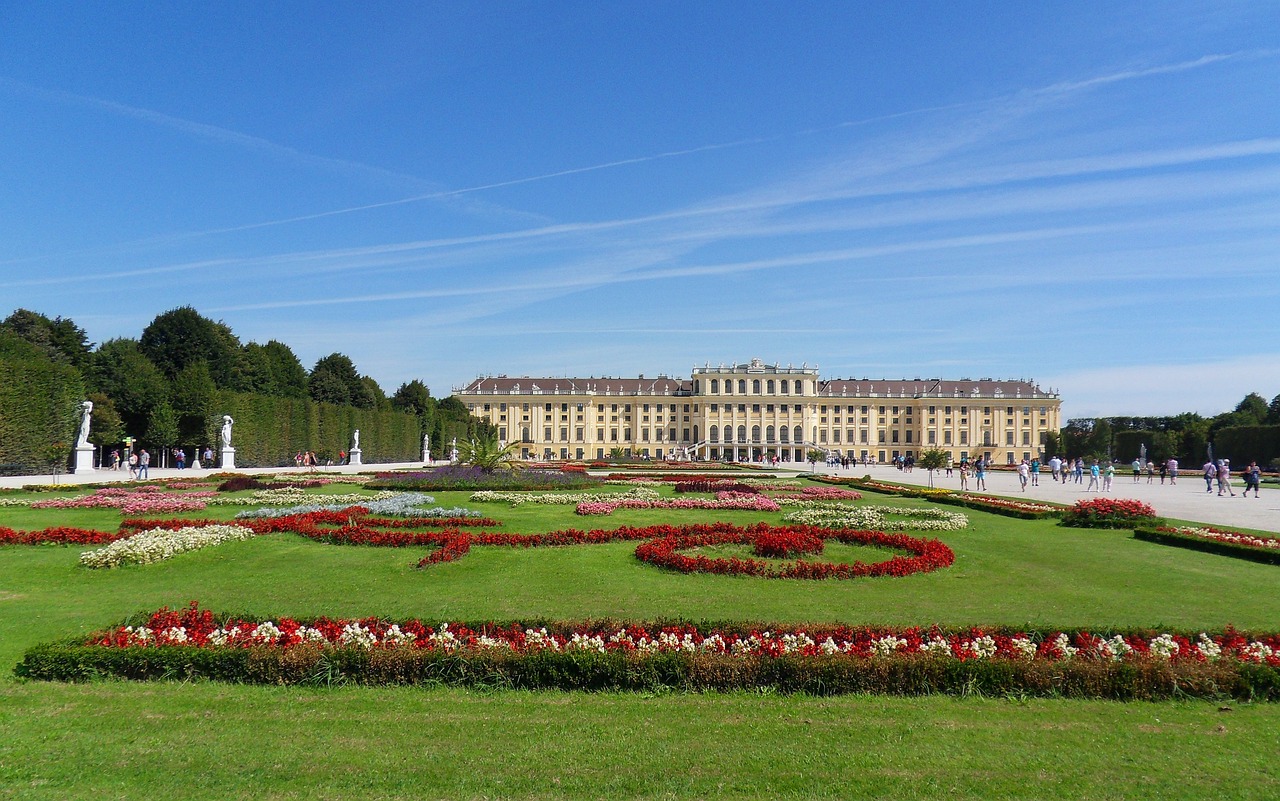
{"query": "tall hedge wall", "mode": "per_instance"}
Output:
(39, 406)
(269, 430)
(1242, 444)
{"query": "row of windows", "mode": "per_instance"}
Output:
(564, 407)
(769, 387)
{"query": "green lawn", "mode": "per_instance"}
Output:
(220, 741)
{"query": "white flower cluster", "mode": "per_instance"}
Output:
(1164, 646)
(1063, 643)
(936, 645)
(1207, 647)
(1025, 647)
(887, 644)
(157, 545)
(983, 647)
(561, 498)
(582, 642)
(840, 515)
(1259, 651)
(1116, 648)
(358, 635)
(15, 501)
(280, 496)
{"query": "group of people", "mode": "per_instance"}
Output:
(139, 462)
(1219, 473)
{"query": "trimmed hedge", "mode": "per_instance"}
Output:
(269, 430)
(39, 406)
(1267, 557)
(915, 674)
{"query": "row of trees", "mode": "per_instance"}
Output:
(1243, 434)
(170, 386)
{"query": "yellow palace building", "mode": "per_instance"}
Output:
(756, 411)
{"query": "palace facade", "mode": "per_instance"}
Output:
(754, 411)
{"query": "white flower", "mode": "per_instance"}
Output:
(887, 644)
(582, 642)
(982, 647)
(1024, 646)
(1164, 646)
(176, 635)
(394, 636)
(1207, 647)
(936, 645)
(358, 635)
(1258, 651)
(1115, 648)
(156, 545)
(265, 632)
(1063, 643)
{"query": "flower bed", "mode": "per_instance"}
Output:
(1219, 541)
(1108, 513)
(60, 535)
(473, 478)
(928, 555)
(642, 656)
(749, 503)
(878, 517)
(560, 498)
(158, 544)
(1026, 510)
(146, 499)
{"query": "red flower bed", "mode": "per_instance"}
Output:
(785, 544)
(60, 535)
(928, 555)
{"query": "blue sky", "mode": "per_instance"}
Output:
(1087, 195)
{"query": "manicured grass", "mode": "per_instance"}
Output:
(208, 741)
(220, 741)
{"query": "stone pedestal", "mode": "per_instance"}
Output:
(84, 460)
(354, 457)
(228, 458)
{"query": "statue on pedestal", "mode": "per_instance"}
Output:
(86, 414)
(227, 422)
(355, 440)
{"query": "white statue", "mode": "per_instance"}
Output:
(226, 430)
(355, 440)
(86, 412)
(426, 447)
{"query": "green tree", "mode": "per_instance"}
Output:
(288, 375)
(134, 384)
(256, 370)
(181, 337)
(162, 427)
(60, 339)
(195, 400)
(413, 397)
(372, 396)
(107, 428)
(932, 459)
(1252, 411)
(334, 380)
(1273, 411)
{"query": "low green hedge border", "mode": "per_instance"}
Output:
(1266, 557)
(954, 499)
(629, 672)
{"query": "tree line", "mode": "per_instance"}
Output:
(169, 387)
(1249, 432)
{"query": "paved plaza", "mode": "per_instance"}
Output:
(1186, 500)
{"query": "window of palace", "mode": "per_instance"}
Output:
(755, 386)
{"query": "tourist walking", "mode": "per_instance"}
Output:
(1224, 478)
(1024, 474)
(980, 474)
(1210, 475)
(1095, 473)
(1137, 470)
(964, 476)
(1252, 479)
(144, 461)
(133, 466)
(1035, 472)
(1108, 477)
(1173, 471)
